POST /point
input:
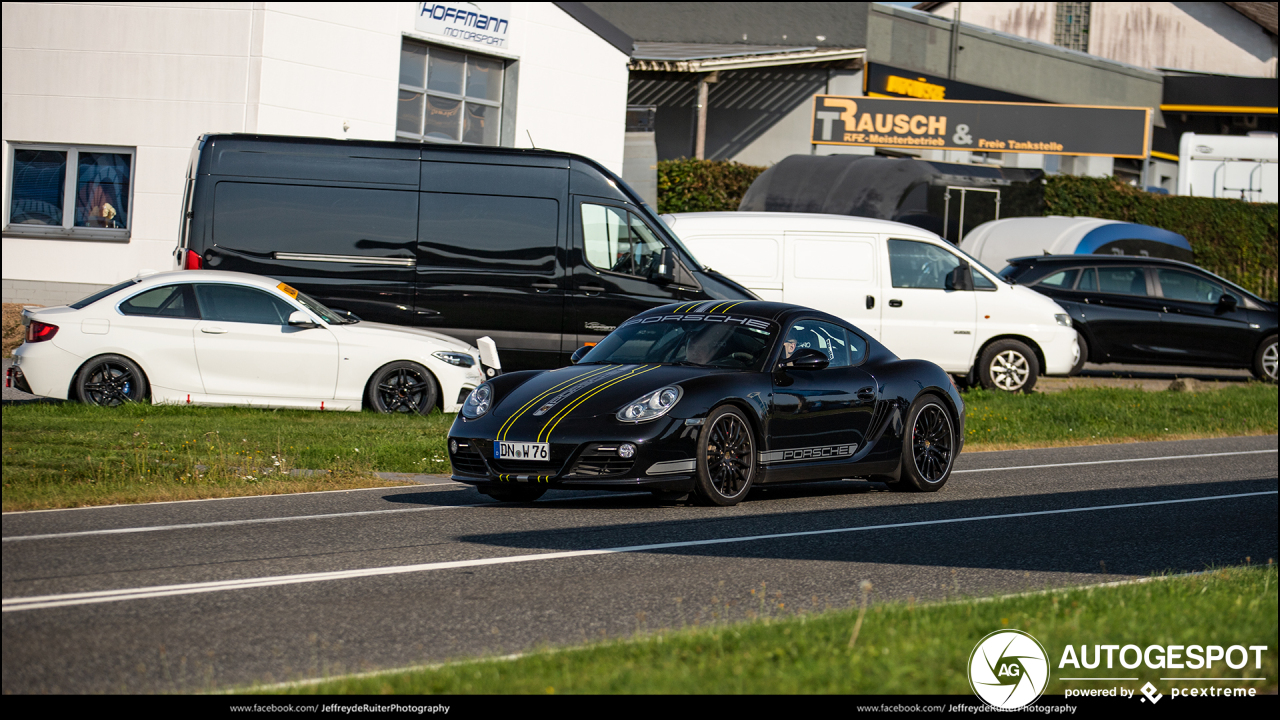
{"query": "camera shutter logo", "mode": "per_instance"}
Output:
(1008, 669)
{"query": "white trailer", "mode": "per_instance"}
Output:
(1228, 166)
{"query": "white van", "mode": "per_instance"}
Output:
(910, 289)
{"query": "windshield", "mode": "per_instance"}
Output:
(713, 341)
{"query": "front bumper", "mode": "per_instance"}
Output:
(664, 459)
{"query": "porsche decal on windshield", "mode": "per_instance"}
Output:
(750, 322)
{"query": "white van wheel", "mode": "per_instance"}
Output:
(1008, 365)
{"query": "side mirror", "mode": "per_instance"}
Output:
(806, 359)
(1227, 303)
(580, 353)
(665, 272)
(961, 278)
(299, 319)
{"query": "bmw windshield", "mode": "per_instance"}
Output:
(720, 341)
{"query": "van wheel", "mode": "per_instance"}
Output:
(1084, 355)
(402, 387)
(111, 380)
(1008, 365)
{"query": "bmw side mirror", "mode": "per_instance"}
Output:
(806, 359)
(665, 272)
(961, 278)
(580, 353)
(1227, 303)
(299, 319)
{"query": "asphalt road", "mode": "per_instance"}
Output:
(214, 594)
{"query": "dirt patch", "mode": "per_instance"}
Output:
(13, 330)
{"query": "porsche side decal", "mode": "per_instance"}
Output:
(826, 452)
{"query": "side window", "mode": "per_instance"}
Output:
(832, 340)
(1062, 280)
(489, 233)
(617, 241)
(980, 282)
(920, 265)
(237, 303)
(1180, 285)
(1122, 280)
(168, 301)
(1088, 280)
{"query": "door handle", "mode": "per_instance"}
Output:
(591, 288)
(543, 287)
(867, 393)
(895, 303)
(212, 330)
(871, 301)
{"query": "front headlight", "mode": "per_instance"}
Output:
(1063, 319)
(478, 402)
(652, 406)
(457, 359)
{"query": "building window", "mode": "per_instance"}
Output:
(1071, 26)
(449, 95)
(70, 191)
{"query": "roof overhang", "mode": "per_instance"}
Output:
(703, 58)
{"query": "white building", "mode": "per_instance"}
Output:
(103, 104)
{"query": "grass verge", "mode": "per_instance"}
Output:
(901, 648)
(71, 455)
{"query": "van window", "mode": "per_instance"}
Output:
(265, 218)
(915, 264)
(494, 233)
(617, 241)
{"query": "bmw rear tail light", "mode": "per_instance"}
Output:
(39, 332)
(194, 262)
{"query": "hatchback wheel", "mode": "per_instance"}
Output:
(402, 387)
(1008, 365)
(111, 380)
(1265, 360)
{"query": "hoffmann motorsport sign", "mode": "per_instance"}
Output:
(981, 126)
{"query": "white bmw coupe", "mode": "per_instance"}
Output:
(222, 338)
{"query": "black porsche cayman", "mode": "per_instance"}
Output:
(713, 398)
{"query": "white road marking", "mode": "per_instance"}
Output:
(1108, 462)
(256, 521)
(41, 602)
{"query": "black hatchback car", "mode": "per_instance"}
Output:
(1154, 311)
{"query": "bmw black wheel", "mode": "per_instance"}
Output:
(726, 457)
(929, 449)
(110, 381)
(402, 387)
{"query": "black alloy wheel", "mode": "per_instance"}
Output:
(111, 381)
(726, 457)
(929, 450)
(403, 387)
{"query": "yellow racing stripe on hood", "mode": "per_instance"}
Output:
(506, 426)
(551, 424)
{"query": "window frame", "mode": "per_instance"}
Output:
(68, 230)
(582, 231)
(463, 98)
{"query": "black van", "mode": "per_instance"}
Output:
(542, 251)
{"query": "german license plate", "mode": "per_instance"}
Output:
(539, 452)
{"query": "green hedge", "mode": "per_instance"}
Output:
(689, 185)
(1232, 238)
